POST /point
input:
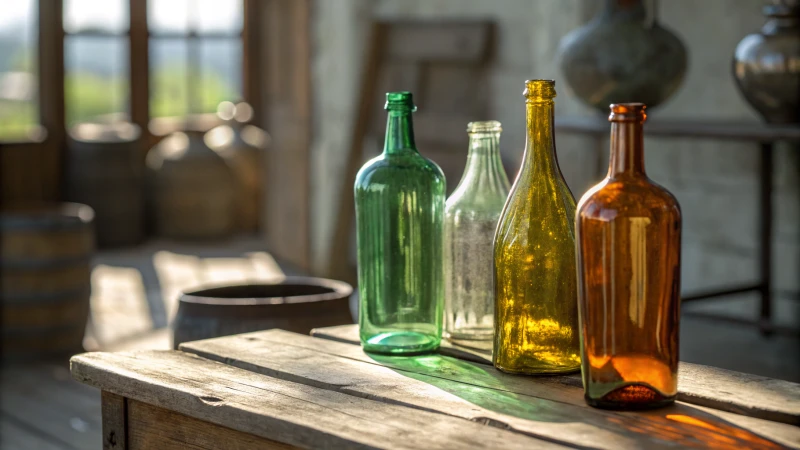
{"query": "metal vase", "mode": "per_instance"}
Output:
(623, 55)
(766, 64)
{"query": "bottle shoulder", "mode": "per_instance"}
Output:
(544, 192)
(627, 198)
(399, 168)
(465, 201)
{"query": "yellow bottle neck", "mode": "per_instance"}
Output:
(540, 148)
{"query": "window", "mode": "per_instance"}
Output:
(195, 55)
(96, 87)
(132, 60)
(19, 110)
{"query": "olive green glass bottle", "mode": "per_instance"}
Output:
(399, 199)
(536, 317)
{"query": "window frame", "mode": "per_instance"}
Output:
(51, 99)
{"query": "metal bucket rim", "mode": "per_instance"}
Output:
(339, 289)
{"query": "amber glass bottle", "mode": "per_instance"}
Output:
(629, 243)
(536, 317)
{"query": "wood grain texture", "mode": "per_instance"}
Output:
(115, 422)
(349, 334)
(452, 387)
(725, 390)
(151, 427)
(279, 410)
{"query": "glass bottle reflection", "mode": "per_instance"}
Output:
(471, 215)
(628, 245)
(536, 318)
(399, 199)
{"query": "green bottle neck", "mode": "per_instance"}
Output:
(627, 150)
(484, 170)
(540, 147)
(399, 133)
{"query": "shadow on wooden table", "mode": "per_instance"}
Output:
(546, 400)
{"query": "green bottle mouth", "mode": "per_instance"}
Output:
(400, 101)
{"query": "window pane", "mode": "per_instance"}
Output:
(221, 72)
(168, 77)
(96, 84)
(96, 15)
(219, 16)
(19, 112)
(168, 16)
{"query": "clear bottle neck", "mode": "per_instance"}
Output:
(484, 169)
(399, 132)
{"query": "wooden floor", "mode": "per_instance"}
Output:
(134, 297)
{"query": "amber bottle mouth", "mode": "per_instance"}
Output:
(628, 112)
(539, 90)
(486, 126)
(400, 101)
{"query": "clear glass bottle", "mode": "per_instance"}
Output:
(536, 317)
(470, 220)
(399, 200)
(629, 246)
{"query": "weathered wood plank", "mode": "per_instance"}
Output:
(349, 334)
(115, 422)
(418, 382)
(151, 427)
(741, 393)
(279, 410)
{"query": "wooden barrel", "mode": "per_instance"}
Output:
(105, 170)
(45, 279)
(296, 304)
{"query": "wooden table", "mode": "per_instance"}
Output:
(275, 389)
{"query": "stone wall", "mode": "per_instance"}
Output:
(715, 182)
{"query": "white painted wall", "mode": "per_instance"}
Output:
(715, 182)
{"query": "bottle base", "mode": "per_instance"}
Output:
(470, 335)
(536, 372)
(634, 397)
(401, 343)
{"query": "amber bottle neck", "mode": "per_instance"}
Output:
(627, 150)
(540, 147)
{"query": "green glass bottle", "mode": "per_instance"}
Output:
(399, 199)
(536, 309)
